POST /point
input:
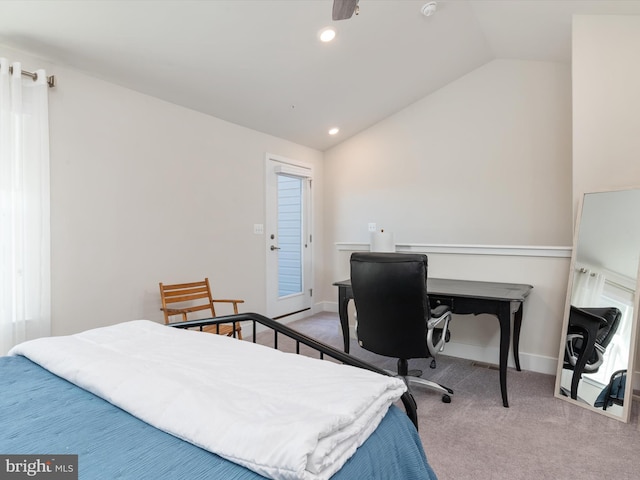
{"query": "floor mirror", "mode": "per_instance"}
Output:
(597, 351)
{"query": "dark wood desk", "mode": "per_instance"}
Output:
(465, 297)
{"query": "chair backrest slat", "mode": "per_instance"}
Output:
(175, 297)
(186, 293)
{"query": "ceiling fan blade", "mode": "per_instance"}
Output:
(343, 9)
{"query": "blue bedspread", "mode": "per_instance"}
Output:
(41, 413)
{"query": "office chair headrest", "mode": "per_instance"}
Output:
(383, 257)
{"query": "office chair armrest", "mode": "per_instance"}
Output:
(438, 314)
(445, 316)
(572, 355)
(440, 310)
(594, 366)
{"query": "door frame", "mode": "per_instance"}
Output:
(298, 169)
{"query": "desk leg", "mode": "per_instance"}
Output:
(343, 302)
(517, 323)
(504, 317)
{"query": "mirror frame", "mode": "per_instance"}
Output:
(628, 394)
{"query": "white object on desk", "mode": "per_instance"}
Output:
(382, 242)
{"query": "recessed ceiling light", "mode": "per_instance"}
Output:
(333, 130)
(327, 34)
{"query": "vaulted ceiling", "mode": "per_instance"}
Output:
(260, 64)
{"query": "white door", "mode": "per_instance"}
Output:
(288, 237)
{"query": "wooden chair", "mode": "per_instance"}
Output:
(187, 295)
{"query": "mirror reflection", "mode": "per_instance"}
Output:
(598, 331)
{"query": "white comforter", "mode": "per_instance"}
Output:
(282, 415)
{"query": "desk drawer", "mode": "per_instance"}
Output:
(437, 300)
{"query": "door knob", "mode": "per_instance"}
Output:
(273, 247)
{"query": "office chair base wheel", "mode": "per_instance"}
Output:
(446, 398)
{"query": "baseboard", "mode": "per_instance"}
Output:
(488, 355)
(491, 355)
(328, 306)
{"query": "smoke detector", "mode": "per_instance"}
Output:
(429, 9)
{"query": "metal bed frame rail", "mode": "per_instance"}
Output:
(280, 329)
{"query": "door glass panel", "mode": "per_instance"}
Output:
(289, 235)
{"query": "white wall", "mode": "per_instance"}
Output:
(606, 106)
(485, 160)
(606, 103)
(144, 191)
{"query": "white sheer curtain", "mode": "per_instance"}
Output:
(25, 286)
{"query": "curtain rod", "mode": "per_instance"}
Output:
(51, 79)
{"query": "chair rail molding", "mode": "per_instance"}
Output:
(506, 250)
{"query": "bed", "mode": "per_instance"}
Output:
(130, 406)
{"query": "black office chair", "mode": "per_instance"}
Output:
(590, 332)
(394, 317)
